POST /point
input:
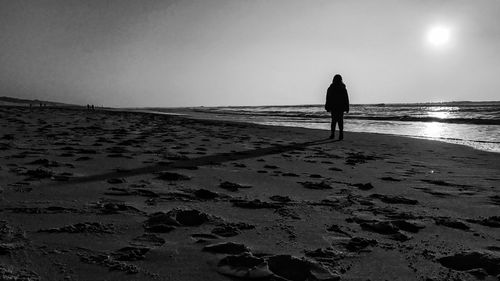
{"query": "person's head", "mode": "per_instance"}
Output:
(337, 79)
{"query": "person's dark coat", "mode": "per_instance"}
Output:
(337, 100)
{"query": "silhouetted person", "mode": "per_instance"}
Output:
(337, 102)
(92, 106)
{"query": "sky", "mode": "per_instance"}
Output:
(166, 53)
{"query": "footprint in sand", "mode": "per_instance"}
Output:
(337, 229)
(204, 237)
(84, 227)
(244, 266)
(161, 222)
(394, 199)
(452, 223)
(107, 207)
(290, 175)
(205, 194)
(254, 204)
(226, 248)
(363, 186)
(116, 181)
(358, 158)
(170, 176)
(38, 174)
(325, 256)
(280, 198)
(66, 154)
(44, 210)
(357, 244)
(444, 183)
(495, 199)
(83, 158)
(147, 240)
(122, 191)
(473, 260)
(316, 185)
(230, 229)
(390, 179)
(44, 162)
(107, 260)
(493, 221)
(226, 231)
(293, 268)
(241, 263)
(231, 186)
(130, 253)
(394, 229)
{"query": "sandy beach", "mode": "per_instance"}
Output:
(114, 195)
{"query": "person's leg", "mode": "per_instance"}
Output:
(341, 125)
(334, 123)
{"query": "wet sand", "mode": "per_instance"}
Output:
(110, 195)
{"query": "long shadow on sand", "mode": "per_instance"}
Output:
(200, 161)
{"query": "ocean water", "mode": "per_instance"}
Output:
(475, 124)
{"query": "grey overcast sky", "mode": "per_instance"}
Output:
(248, 52)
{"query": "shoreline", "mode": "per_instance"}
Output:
(189, 113)
(120, 195)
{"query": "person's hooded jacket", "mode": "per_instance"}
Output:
(337, 100)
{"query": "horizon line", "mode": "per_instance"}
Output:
(319, 104)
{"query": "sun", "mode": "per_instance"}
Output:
(439, 36)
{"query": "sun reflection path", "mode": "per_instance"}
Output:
(439, 114)
(435, 129)
(432, 129)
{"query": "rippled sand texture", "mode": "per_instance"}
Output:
(108, 195)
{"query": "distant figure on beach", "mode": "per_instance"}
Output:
(337, 102)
